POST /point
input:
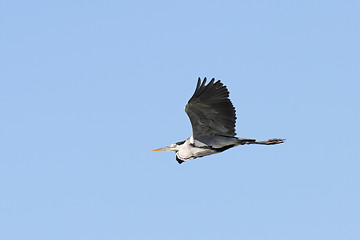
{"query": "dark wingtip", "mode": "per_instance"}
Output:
(204, 81)
(198, 83)
(212, 81)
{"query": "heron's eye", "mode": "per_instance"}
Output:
(173, 145)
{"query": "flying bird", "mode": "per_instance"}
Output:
(213, 118)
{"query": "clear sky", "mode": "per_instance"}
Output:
(88, 88)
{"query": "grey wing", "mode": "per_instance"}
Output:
(210, 110)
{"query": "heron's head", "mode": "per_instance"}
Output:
(172, 147)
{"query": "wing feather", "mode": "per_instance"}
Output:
(210, 110)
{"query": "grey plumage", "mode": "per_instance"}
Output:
(210, 110)
(213, 118)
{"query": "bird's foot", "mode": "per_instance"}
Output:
(274, 141)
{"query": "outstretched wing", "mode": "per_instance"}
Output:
(210, 110)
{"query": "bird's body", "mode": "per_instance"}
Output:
(194, 148)
(213, 119)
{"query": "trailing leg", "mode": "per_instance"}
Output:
(271, 141)
(243, 141)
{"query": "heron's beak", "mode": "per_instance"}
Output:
(163, 149)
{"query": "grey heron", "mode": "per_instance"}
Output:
(212, 116)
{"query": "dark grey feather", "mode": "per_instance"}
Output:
(210, 110)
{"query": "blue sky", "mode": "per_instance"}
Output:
(88, 88)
